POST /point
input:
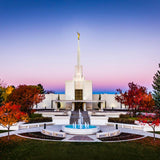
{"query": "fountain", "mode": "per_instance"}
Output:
(80, 128)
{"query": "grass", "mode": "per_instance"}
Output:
(157, 132)
(25, 149)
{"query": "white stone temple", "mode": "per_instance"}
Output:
(79, 94)
(78, 89)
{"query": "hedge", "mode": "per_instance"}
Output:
(124, 116)
(121, 120)
(40, 119)
(35, 115)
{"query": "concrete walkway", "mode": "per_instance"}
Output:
(71, 138)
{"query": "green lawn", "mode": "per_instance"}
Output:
(25, 149)
(157, 132)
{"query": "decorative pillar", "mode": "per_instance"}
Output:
(101, 106)
(51, 104)
(84, 106)
(73, 106)
(56, 106)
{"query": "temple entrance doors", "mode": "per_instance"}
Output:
(78, 105)
(79, 96)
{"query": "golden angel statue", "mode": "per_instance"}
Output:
(78, 35)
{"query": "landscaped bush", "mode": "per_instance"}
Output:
(121, 120)
(124, 116)
(40, 119)
(35, 115)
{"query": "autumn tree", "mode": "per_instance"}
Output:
(134, 98)
(149, 113)
(7, 92)
(26, 97)
(10, 115)
(150, 116)
(147, 103)
(4, 93)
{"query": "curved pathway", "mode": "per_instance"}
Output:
(81, 138)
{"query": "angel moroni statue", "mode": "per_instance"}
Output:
(78, 35)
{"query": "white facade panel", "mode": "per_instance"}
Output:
(87, 90)
(69, 90)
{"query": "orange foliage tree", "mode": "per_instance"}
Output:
(152, 119)
(4, 93)
(149, 113)
(147, 103)
(10, 115)
(26, 97)
(135, 98)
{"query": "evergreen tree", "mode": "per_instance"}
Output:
(2, 89)
(156, 87)
(1, 98)
(40, 87)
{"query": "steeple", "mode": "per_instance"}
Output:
(78, 68)
(78, 51)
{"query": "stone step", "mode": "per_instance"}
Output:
(75, 116)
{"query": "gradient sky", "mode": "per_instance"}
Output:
(119, 43)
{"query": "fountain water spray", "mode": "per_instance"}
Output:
(80, 122)
(81, 127)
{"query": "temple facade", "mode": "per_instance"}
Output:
(79, 94)
(78, 90)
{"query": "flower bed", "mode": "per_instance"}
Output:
(122, 136)
(40, 119)
(41, 136)
(121, 120)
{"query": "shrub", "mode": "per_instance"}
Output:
(40, 119)
(35, 115)
(124, 116)
(121, 120)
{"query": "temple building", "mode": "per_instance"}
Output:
(78, 90)
(79, 94)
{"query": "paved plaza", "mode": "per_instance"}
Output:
(81, 138)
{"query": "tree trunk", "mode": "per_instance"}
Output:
(8, 133)
(154, 134)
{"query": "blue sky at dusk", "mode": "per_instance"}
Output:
(119, 43)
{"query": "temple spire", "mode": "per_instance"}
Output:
(78, 68)
(78, 51)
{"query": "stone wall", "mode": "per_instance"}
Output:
(109, 104)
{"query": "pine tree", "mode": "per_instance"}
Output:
(1, 98)
(40, 87)
(156, 87)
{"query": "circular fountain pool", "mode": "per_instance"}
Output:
(80, 129)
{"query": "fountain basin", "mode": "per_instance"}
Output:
(80, 129)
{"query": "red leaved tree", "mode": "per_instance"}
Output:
(26, 97)
(147, 103)
(10, 115)
(151, 119)
(149, 113)
(133, 97)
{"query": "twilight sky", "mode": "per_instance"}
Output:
(120, 42)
